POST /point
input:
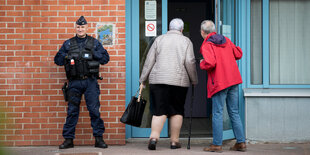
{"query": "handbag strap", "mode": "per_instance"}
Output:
(140, 91)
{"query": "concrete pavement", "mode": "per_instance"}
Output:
(139, 147)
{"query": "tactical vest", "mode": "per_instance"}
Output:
(80, 64)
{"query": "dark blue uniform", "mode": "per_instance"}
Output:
(89, 87)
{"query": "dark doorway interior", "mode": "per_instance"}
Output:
(193, 12)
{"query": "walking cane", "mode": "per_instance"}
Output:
(190, 120)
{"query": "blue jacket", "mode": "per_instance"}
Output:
(100, 54)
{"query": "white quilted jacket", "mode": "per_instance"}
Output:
(170, 61)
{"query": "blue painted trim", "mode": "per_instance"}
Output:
(135, 54)
(142, 132)
(164, 132)
(243, 43)
(265, 40)
(248, 57)
(254, 86)
(241, 40)
(218, 16)
(289, 86)
(228, 134)
(128, 60)
(132, 56)
(244, 15)
(280, 86)
(135, 45)
(266, 52)
(164, 16)
(227, 14)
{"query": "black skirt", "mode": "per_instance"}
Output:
(167, 99)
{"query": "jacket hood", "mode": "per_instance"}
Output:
(216, 39)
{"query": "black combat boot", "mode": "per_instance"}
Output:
(68, 143)
(100, 143)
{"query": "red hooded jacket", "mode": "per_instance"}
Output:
(220, 56)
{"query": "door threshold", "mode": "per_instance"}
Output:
(194, 140)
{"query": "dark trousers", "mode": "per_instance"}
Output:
(90, 88)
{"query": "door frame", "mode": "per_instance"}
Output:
(241, 28)
(227, 134)
(132, 56)
(132, 50)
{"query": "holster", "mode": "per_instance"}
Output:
(65, 91)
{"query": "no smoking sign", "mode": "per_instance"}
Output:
(150, 28)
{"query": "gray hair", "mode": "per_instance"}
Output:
(207, 26)
(176, 24)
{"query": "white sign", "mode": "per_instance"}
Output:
(226, 31)
(150, 10)
(150, 28)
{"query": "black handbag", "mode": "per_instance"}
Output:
(134, 111)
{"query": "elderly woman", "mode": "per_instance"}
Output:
(170, 68)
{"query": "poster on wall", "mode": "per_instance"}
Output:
(106, 33)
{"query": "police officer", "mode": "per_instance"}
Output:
(81, 56)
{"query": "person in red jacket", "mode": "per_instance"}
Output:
(219, 59)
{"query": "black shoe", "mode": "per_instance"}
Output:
(152, 144)
(177, 145)
(68, 143)
(100, 143)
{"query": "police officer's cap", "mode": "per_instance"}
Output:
(81, 21)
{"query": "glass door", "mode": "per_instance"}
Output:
(148, 19)
(224, 20)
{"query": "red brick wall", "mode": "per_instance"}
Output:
(31, 32)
